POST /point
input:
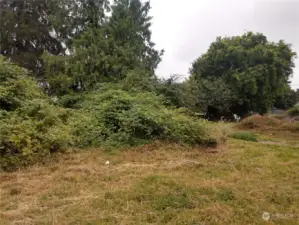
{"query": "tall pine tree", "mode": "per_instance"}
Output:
(28, 28)
(130, 27)
(109, 50)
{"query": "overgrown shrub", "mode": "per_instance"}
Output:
(294, 111)
(24, 140)
(31, 126)
(120, 118)
(70, 100)
(138, 81)
(16, 87)
(244, 136)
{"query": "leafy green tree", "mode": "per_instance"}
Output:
(215, 94)
(287, 99)
(178, 94)
(58, 79)
(254, 70)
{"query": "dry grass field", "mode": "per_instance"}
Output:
(161, 184)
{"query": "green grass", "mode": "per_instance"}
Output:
(246, 136)
(160, 184)
(161, 193)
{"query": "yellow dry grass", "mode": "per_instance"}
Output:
(158, 184)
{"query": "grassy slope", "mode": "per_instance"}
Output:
(159, 184)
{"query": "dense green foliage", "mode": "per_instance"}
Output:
(250, 72)
(31, 126)
(15, 87)
(29, 27)
(73, 76)
(177, 94)
(101, 48)
(120, 118)
(294, 111)
(25, 35)
(287, 99)
(106, 51)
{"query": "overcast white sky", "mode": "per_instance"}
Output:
(185, 29)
